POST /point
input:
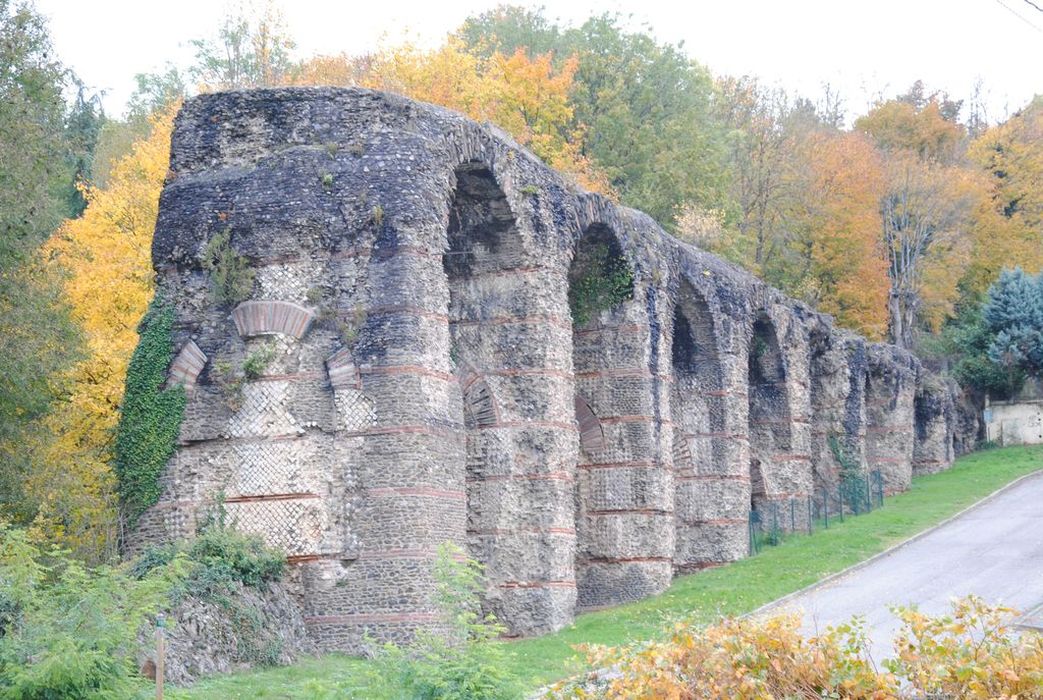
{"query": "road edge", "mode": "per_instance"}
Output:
(779, 602)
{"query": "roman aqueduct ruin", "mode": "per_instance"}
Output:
(428, 379)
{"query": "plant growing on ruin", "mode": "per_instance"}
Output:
(377, 215)
(258, 361)
(600, 279)
(231, 278)
(231, 379)
(151, 415)
(219, 562)
(349, 328)
(465, 663)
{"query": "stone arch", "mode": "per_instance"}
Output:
(591, 432)
(600, 277)
(706, 495)
(186, 367)
(623, 493)
(480, 409)
(513, 400)
(254, 318)
(770, 421)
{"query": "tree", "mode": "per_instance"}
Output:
(834, 225)
(1010, 220)
(82, 127)
(760, 148)
(644, 109)
(926, 218)
(1013, 315)
(105, 256)
(36, 338)
(252, 49)
(927, 209)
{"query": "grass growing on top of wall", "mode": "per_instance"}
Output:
(730, 590)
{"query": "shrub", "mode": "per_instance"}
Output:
(741, 658)
(219, 557)
(220, 562)
(969, 654)
(467, 663)
(71, 632)
(231, 279)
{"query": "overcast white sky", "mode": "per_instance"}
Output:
(864, 48)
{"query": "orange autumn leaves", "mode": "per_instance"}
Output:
(839, 230)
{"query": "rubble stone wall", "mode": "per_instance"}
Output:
(415, 280)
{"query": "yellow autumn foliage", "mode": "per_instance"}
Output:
(973, 652)
(527, 97)
(105, 257)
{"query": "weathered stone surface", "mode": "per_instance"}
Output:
(444, 390)
(228, 632)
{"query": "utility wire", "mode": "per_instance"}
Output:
(1034, 5)
(1011, 10)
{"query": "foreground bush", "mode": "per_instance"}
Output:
(466, 663)
(968, 654)
(68, 631)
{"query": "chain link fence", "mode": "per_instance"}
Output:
(772, 520)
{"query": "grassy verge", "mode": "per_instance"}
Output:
(730, 590)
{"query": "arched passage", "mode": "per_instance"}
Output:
(513, 406)
(709, 514)
(624, 498)
(770, 428)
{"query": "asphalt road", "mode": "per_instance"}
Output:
(994, 550)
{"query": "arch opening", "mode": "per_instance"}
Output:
(770, 433)
(623, 496)
(501, 347)
(704, 489)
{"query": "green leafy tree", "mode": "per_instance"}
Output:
(1013, 315)
(35, 333)
(252, 49)
(645, 108)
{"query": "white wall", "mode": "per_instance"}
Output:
(1016, 423)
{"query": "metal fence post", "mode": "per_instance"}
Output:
(825, 506)
(160, 655)
(811, 514)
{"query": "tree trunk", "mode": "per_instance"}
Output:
(901, 309)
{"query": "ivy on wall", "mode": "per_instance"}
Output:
(600, 279)
(150, 417)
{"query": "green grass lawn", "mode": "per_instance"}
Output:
(729, 590)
